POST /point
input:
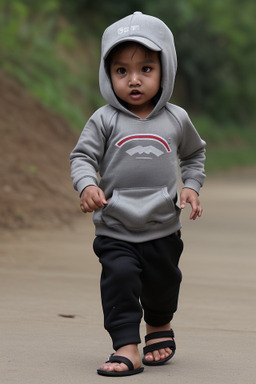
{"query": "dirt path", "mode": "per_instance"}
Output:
(51, 320)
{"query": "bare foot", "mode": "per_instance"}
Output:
(129, 351)
(160, 354)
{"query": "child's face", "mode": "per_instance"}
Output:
(136, 74)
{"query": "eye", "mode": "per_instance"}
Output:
(121, 71)
(146, 69)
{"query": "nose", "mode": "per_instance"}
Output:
(134, 80)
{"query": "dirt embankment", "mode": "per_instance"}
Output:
(35, 184)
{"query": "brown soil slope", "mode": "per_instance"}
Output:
(35, 184)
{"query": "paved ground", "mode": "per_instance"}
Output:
(51, 321)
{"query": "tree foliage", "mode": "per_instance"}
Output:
(215, 41)
(216, 47)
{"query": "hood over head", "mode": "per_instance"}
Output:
(153, 34)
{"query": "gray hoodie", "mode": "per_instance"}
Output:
(133, 160)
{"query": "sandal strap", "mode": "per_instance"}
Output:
(121, 359)
(161, 345)
(159, 335)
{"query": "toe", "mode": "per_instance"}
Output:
(149, 357)
(162, 354)
(121, 367)
(168, 351)
(156, 355)
(108, 367)
(114, 367)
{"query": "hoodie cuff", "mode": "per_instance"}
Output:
(83, 183)
(192, 184)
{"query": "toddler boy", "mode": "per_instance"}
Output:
(135, 143)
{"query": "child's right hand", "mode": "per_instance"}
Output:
(92, 198)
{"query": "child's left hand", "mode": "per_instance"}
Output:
(190, 196)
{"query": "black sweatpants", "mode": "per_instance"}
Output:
(138, 277)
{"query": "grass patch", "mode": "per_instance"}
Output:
(228, 145)
(44, 51)
(41, 50)
(224, 159)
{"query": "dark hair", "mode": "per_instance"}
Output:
(120, 47)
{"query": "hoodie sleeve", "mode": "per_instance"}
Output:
(88, 152)
(191, 151)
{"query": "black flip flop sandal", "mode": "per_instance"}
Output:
(160, 345)
(120, 359)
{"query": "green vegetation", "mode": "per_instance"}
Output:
(40, 48)
(228, 144)
(53, 49)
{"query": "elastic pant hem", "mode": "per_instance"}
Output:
(124, 335)
(156, 320)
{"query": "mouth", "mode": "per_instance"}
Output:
(135, 94)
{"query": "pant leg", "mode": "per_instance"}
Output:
(161, 279)
(120, 289)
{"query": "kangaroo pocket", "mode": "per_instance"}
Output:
(139, 208)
